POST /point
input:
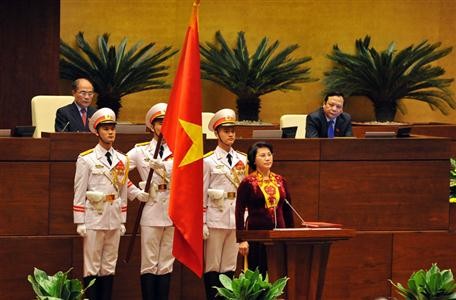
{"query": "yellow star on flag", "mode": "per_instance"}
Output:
(195, 152)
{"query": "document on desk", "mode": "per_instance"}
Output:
(315, 225)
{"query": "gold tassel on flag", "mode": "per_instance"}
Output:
(246, 263)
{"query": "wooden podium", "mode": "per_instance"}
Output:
(299, 253)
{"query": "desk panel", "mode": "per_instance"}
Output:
(385, 195)
(284, 149)
(419, 250)
(385, 149)
(18, 256)
(24, 195)
(303, 178)
(359, 268)
(67, 146)
(24, 149)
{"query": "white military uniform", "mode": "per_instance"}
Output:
(102, 219)
(220, 247)
(157, 229)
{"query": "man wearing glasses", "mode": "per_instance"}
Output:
(74, 117)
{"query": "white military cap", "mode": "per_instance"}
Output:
(156, 111)
(102, 116)
(224, 117)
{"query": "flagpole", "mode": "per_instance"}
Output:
(131, 245)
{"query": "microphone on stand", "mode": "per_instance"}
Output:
(294, 210)
(275, 217)
(65, 127)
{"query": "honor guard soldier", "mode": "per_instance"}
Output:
(224, 169)
(100, 204)
(157, 229)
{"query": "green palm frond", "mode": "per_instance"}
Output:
(252, 75)
(115, 71)
(388, 76)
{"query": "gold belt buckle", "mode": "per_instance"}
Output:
(231, 195)
(162, 187)
(110, 198)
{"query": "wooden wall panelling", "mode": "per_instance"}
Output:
(192, 287)
(67, 146)
(24, 149)
(303, 178)
(284, 149)
(385, 149)
(359, 268)
(18, 256)
(29, 58)
(385, 195)
(24, 191)
(61, 182)
(418, 250)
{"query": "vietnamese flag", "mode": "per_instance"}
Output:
(182, 131)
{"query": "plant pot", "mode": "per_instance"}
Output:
(248, 108)
(385, 112)
(111, 101)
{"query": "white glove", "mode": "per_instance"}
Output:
(143, 196)
(205, 232)
(96, 200)
(122, 229)
(156, 163)
(215, 194)
(216, 197)
(152, 189)
(81, 230)
(95, 197)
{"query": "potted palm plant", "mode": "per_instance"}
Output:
(115, 71)
(250, 76)
(388, 76)
(432, 284)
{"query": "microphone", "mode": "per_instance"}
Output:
(275, 217)
(65, 127)
(294, 210)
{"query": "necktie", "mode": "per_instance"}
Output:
(331, 129)
(161, 151)
(84, 116)
(228, 156)
(108, 157)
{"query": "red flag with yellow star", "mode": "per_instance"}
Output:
(182, 131)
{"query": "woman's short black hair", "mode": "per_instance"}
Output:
(252, 152)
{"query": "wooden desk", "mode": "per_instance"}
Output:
(393, 191)
(300, 254)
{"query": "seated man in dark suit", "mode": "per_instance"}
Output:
(329, 120)
(74, 117)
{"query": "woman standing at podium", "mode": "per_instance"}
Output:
(262, 194)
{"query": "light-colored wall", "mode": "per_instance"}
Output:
(316, 25)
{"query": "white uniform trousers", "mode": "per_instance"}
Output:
(156, 249)
(220, 250)
(101, 248)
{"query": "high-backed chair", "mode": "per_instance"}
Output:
(206, 117)
(295, 120)
(43, 112)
